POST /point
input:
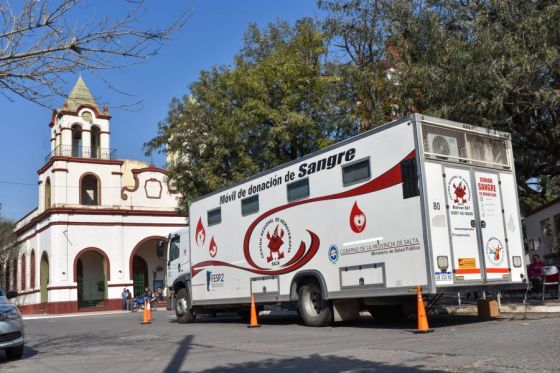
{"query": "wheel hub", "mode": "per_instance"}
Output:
(181, 306)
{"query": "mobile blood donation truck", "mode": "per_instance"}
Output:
(357, 226)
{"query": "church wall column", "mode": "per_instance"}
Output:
(86, 143)
(66, 137)
(104, 145)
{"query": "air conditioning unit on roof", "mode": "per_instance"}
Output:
(442, 145)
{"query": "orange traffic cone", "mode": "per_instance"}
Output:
(146, 316)
(253, 323)
(422, 318)
(149, 307)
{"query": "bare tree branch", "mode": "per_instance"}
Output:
(43, 41)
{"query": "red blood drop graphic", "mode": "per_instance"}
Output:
(200, 233)
(357, 219)
(213, 248)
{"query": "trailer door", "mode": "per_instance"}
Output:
(463, 232)
(492, 229)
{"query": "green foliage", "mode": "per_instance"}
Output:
(489, 63)
(293, 90)
(278, 102)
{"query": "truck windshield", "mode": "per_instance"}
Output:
(174, 247)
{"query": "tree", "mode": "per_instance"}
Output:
(40, 42)
(278, 102)
(7, 246)
(491, 63)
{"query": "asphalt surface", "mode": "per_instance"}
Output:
(119, 343)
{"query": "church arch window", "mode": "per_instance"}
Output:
(95, 142)
(15, 275)
(44, 277)
(76, 140)
(90, 187)
(48, 193)
(23, 272)
(32, 270)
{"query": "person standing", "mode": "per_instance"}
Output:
(124, 298)
(535, 272)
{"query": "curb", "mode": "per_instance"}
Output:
(506, 308)
(66, 315)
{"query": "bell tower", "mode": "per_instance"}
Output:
(80, 128)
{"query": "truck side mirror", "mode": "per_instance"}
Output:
(11, 294)
(159, 249)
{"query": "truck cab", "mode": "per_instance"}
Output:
(178, 260)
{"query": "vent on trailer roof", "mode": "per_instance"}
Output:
(456, 145)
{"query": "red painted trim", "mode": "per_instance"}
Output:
(60, 112)
(119, 285)
(498, 270)
(62, 287)
(466, 271)
(116, 173)
(78, 160)
(100, 211)
(135, 172)
(26, 215)
(97, 250)
(180, 225)
(59, 170)
(130, 259)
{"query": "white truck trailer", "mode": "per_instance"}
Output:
(357, 226)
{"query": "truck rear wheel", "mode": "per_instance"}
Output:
(181, 306)
(313, 309)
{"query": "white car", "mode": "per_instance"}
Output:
(11, 327)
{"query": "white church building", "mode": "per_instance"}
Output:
(98, 221)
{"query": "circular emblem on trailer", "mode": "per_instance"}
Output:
(459, 191)
(494, 251)
(333, 254)
(275, 241)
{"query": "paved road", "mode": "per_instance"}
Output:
(118, 343)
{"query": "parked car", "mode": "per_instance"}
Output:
(11, 326)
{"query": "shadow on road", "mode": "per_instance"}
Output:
(27, 353)
(179, 356)
(316, 363)
(435, 321)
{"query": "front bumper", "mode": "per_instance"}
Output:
(11, 334)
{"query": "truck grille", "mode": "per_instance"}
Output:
(9, 336)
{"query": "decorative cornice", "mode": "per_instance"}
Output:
(78, 160)
(85, 211)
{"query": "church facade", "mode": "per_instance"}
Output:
(98, 221)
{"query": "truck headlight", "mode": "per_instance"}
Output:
(443, 263)
(12, 314)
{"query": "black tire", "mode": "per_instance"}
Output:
(313, 309)
(393, 312)
(134, 307)
(182, 307)
(13, 353)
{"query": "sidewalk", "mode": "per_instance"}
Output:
(77, 314)
(510, 303)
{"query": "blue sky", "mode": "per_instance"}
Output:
(212, 36)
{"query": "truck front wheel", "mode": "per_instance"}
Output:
(313, 309)
(181, 306)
